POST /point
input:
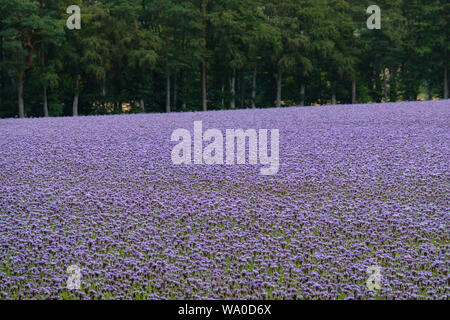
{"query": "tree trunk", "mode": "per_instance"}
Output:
(254, 87)
(167, 90)
(446, 82)
(29, 61)
(75, 99)
(204, 93)
(75, 104)
(430, 90)
(320, 85)
(142, 104)
(175, 97)
(333, 98)
(302, 95)
(167, 37)
(242, 88)
(385, 85)
(393, 95)
(378, 86)
(45, 86)
(2, 74)
(183, 90)
(45, 102)
(233, 90)
(279, 80)
(353, 91)
(222, 99)
(20, 95)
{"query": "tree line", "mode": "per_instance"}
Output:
(184, 55)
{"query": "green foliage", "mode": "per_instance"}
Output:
(133, 51)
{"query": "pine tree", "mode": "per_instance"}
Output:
(26, 26)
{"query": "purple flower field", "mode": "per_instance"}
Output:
(358, 186)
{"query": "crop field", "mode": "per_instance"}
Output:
(357, 186)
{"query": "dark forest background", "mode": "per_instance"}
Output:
(165, 55)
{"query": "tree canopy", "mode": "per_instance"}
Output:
(181, 55)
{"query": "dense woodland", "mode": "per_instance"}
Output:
(183, 55)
